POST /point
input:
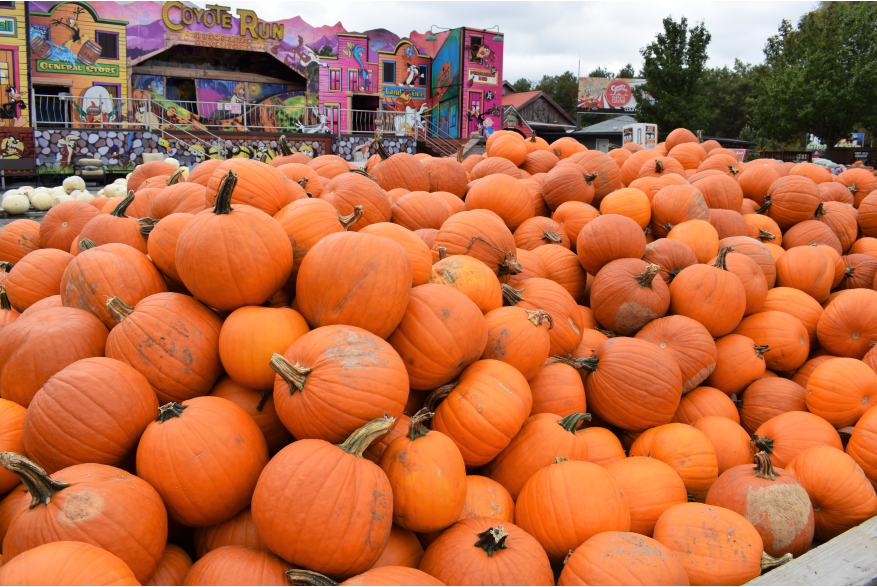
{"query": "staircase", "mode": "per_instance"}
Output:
(440, 146)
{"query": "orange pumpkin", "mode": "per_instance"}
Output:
(756, 251)
(604, 448)
(686, 450)
(568, 183)
(543, 294)
(558, 389)
(300, 173)
(418, 251)
(627, 294)
(756, 179)
(573, 216)
(260, 406)
(162, 243)
(259, 185)
(769, 397)
(446, 175)
(689, 344)
(470, 277)
(705, 401)
(538, 231)
(495, 166)
(54, 563)
(348, 191)
(647, 501)
(845, 328)
(18, 238)
(607, 238)
(841, 390)
(518, 337)
(729, 439)
(671, 256)
(860, 182)
(693, 294)
(786, 436)
(480, 234)
(115, 227)
(791, 199)
(861, 445)
(700, 236)
(563, 268)
(674, 204)
(237, 564)
(172, 568)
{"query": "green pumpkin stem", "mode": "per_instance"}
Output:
(294, 375)
(38, 483)
(311, 578)
(120, 210)
(223, 196)
(86, 244)
(540, 317)
(351, 219)
(357, 442)
(508, 266)
(762, 443)
(768, 562)
(284, 146)
(571, 422)
(763, 466)
(551, 237)
(436, 396)
(176, 177)
(766, 207)
(510, 295)
(265, 395)
(721, 258)
(170, 410)
(491, 540)
(645, 278)
(589, 363)
(417, 428)
(4, 300)
(118, 309)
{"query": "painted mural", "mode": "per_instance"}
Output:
(445, 100)
(482, 58)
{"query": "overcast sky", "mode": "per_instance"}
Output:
(548, 37)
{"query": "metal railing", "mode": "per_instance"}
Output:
(437, 138)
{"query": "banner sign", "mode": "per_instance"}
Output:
(607, 95)
(76, 68)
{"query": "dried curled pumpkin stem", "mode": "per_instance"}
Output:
(303, 182)
(38, 483)
(363, 173)
(671, 275)
(510, 295)
(764, 235)
(589, 363)
(6, 266)
(357, 442)
(768, 562)
(265, 395)
(460, 154)
(763, 466)
(443, 253)
(351, 219)
(304, 577)
(760, 350)
(571, 422)
(146, 229)
(382, 152)
(284, 146)
(147, 221)
(540, 317)
(120, 210)
(849, 271)
(438, 395)
(721, 258)
(417, 428)
(645, 278)
(560, 460)
(762, 443)
(4, 299)
(765, 207)
(659, 166)
(118, 309)
(551, 237)
(223, 195)
(508, 266)
(605, 332)
(170, 410)
(86, 244)
(820, 211)
(294, 375)
(176, 177)
(589, 178)
(492, 539)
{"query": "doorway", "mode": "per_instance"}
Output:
(50, 106)
(602, 145)
(365, 110)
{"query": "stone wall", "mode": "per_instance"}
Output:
(359, 148)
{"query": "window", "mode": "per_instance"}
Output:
(109, 43)
(352, 80)
(389, 72)
(112, 89)
(367, 82)
(334, 80)
(7, 4)
(4, 73)
(421, 78)
(475, 43)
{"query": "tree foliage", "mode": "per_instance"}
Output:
(673, 66)
(523, 85)
(627, 71)
(822, 75)
(563, 89)
(601, 72)
(727, 92)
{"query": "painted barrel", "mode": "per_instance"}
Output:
(89, 53)
(40, 48)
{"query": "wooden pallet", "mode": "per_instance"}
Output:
(849, 559)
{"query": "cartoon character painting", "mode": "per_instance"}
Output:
(97, 107)
(239, 95)
(11, 112)
(413, 120)
(413, 74)
(11, 148)
(480, 53)
(359, 54)
(307, 150)
(72, 25)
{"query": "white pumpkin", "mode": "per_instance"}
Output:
(16, 204)
(26, 190)
(100, 193)
(58, 191)
(41, 201)
(84, 197)
(60, 200)
(185, 173)
(122, 182)
(173, 162)
(115, 191)
(127, 177)
(74, 183)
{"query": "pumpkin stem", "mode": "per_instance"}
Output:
(766, 207)
(436, 396)
(820, 211)
(6, 266)
(294, 375)
(509, 265)
(853, 188)
(303, 182)
(589, 363)
(168, 411)
(671, 275)
(559, 460)
(351, 219)
(118, 309)
(223, 195)
(645, 279)
(721, 258)
(363, 173)
(738, 402)
(176, 177)
(605, 332)
(849, 271)
(119, 212)
(557, 152)
(146, 229)
(492, 539)
(566, 558)
(4, 300)
(760, 350)
(510, 295)
(571, 422)
(284, 146)
(38, 483)
(768, 562)
(357, 442)
(443, 253)
(764, 235)
(265, 395)
(540, 317)
(763, 443)
(551, 237)
(146, 221)
(417, 428)
(589, 178)
(86, 244)
(460, 154)
(763, 466)
(304, 577)
(382, 152)
(659, 166)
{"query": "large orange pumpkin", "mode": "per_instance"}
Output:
(861, 446)
(259, 185)
(860, 182)
(204, 473)
(647, 499)
(607, 172)
(115, 227)
(53, 511)
(607, 238)
(57, 563)
(518, 337)
(37, 276)
(846, 327)
(604, 448)
(418, 251)
(688, 343)
(239, 530)
(558, 389)
(700, 236)
(710, 294)
(503, 195)
(686, 450)
(172, 568)
(446, 175)
(171, 339)
(185, 197)
(769, 397)
(784, 334)
(349, 191)
(563, 268)
(729, 439)
(567, 183)
(670, 255)
(841, 390)
(786, 436)
(757, 252)
(260, 406)
(756, 179)
(239, 565)
(798, 304)
(11, 419)
(674, 205)
(791, 199)
(162, 243)
(627, 294)
(470, 277)
(544, 294)
(538, 231)
(388, 575)
(63, 223)
(417, 210)
(480, 234)
(401, 170)
(17, 239)
(739, 362)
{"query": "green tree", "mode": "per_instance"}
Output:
(600, 72)
(523, 85)
(673, 66)
(728, 97)
(563, 89)
(326, 51)
(627, 71)
(823, 75)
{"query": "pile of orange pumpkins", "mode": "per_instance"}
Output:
(546, 365)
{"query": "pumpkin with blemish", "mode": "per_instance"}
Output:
(627, 294)
(518, 337)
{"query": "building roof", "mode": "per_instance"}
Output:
(507, 85)
(723, 140)
(613, 126)
(521, 99)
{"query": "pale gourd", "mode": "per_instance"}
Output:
(73, 183)
(127, 177)
(100, 193)
(115, 191)
(185, 173)
(41, 201)
(61, 200)
(16, 204)
(122, 182)
(84, 197)
(173, 162)
(58, 191)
